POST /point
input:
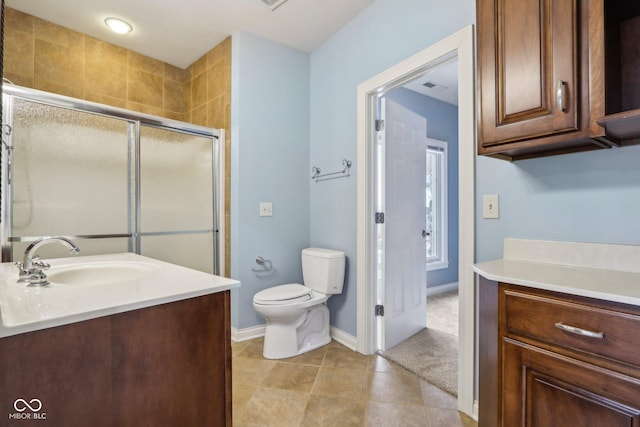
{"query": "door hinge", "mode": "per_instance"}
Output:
(379, 310)
(379, 217)
(379, 125)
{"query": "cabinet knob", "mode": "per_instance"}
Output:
(561, 96)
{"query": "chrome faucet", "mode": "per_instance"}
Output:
(31, 267)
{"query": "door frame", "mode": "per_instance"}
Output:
(462, 45)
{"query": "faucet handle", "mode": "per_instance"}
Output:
(41, 264)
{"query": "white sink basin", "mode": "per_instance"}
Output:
(100, 273)
(88, 287)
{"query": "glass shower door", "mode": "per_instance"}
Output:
(176, 212)
(112, 180)
(68, 172)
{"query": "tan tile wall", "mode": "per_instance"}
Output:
(209, 105)
(48, 57)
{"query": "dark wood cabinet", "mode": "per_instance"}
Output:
(543, 388)
(551, 359)
(166, 365)
(557, 76)
(535, 65)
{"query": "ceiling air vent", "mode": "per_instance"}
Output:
(435, 87)
(273, 4)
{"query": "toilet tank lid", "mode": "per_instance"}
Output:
(289, 292)
(323, 253)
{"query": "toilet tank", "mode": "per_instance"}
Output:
(323, 270)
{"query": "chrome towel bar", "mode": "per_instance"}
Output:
(345, 171)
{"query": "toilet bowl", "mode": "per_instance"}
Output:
(297, 315)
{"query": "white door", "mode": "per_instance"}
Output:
(405, 302)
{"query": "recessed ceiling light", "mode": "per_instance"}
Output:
(118, 25)
(273, 4)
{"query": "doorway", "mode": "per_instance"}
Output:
(400, 188)
(417, 190)
(460, 45)
(417, 187)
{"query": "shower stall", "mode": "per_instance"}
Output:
(110, 179)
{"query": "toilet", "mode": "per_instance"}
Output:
(297, 315)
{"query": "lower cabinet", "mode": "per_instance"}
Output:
(542, 388)
(552, 360)
(166, 365)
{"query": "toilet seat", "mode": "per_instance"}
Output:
(283, 294)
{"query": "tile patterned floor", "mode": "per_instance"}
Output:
(334, 386)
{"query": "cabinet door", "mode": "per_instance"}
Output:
(528, 66)
(172, 364)
(66, 368)
(544, 389)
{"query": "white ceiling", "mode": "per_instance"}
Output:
(181, 31)
(445, 78)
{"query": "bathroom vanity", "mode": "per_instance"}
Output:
(558, 335)
(153, 350)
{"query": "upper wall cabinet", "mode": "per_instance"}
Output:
(541, 67)
(622, 71)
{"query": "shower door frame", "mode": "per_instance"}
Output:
(134, 122)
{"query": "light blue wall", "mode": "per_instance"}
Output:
(442, 124)
(583, 197)
(384, 34)
(269, 163)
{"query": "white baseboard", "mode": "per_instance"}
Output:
(440, 289)
(246, 334)
(239, 335)
(475, 411)
(344, 338)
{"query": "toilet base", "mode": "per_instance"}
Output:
(309, 332)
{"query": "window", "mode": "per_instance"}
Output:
(436, 233)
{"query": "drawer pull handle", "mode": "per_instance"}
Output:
(579, 331)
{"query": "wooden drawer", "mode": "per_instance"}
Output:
(541, 317)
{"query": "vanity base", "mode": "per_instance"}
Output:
(168, 364)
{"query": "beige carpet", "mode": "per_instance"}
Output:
(442, 312)
(433, 354)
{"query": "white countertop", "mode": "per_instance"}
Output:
(24, 309)
(605, 271)
(610, 285)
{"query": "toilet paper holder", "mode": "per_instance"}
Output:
(265, 264)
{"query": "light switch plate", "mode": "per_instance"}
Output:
(491, 206)
(266, 209)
